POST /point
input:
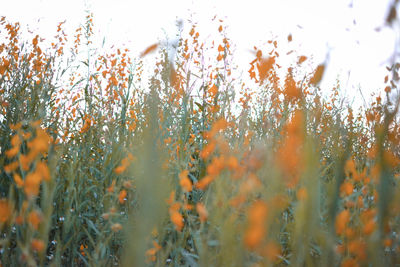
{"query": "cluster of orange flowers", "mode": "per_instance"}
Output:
(29, 170)
(357, 222)
(23, 163)
(218, 163)
(290, 154)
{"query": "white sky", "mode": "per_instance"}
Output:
(317, 26)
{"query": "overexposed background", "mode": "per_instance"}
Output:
(353, 32)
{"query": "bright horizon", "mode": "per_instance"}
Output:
(358, 53)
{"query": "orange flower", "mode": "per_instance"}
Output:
(5, 210)
(26, 161)
(32, 183)
(341, 221)
(156, 245)
(220, 125)
(258, 212)
(42, 168)
(110, 189)
(122, 196)
(177, 219)
(114, 82)
(37, 245)
(15, 126)
(175, 207)
(232, 163)
(120, 169)
(35, 40)
(350, 168)
(264, 66)
(19, 220)
(202, 211)
(387, 242)
(116, 227)
(11, 167)
(18, 180)
(35, 218)
(301, 59)
(358, 248)
(207, 150)
(254, 235)
(289, 155)
(151, 253)
(82, 249)
(203, 183)
(368, 215)
(238, 200)
(360, 202)
(124, 164)
(292, 92)
(149, 50)
(216, 166)
(12, 152)
(346, 188)
(251, 183)
(171, 198)
(349, 233)
(256, 230)
(185, 181)
(187, 206)
(213, 90)
(127, 184)
(369, 227)
(317, 77)
(41, 143)
(272, 251)
(302, 194)
(15, 140)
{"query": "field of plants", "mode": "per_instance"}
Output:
(190, 166)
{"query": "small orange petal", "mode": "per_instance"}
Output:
(35, 218)
(37, 245)
(202, 211)
(5, 210)
(177, 220)
(122, 196)
(18, 180)
(317, 77)
(149, 50)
